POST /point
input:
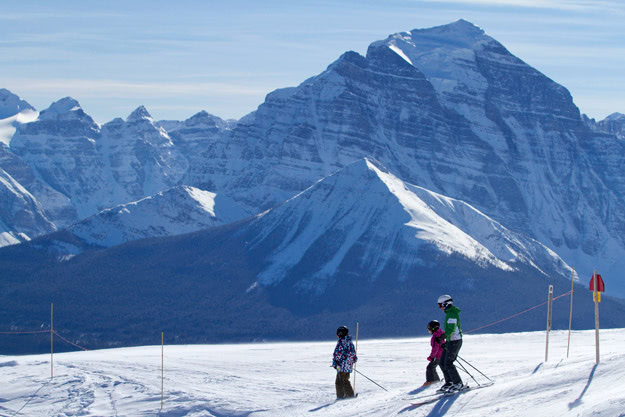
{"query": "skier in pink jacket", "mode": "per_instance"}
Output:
(437, 341)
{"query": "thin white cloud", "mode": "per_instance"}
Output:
(29, 16)
(573, 5)
(126, 89)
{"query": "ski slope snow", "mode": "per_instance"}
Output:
(295, 379)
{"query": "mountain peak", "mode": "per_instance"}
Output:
(201, 118)
(460, 32)
(614, 117)
(140, 113)
(11, 104)
(462, 25)
(65, 108)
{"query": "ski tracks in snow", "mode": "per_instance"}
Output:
(294, 379)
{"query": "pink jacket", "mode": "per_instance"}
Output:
(437, 347)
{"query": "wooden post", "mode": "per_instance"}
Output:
(162, 366)
(356, 355)
(596, 298)
(549, 303)
(568, 345)
(51, 340)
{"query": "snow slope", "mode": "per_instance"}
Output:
(176, 211)
(294, 379)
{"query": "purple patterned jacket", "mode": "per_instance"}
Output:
(344, 355)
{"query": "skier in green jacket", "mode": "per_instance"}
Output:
(453, 343)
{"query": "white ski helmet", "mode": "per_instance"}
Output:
(445, 300)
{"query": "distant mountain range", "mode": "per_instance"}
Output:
(359, 245)
(437, 152)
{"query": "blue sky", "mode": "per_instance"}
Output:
(178, 58)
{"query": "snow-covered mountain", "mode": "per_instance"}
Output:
(446, 108)
(203, 139)
(57, 206)
(140, 158)
(60, 146)
(176, 211)
(11, 104)
(76, 168)
(359, 243)
(450, 109)
(21, 211)
(98, 167)
(364, 221)
(13, 111)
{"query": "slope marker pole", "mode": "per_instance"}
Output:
(595, 297)
(357, 324)
(51, 340)
(549, 305)
(162, 366)
(568, 345)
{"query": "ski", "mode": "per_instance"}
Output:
(428, 399)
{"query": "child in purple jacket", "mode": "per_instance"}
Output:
(437, 341)
(343, 361)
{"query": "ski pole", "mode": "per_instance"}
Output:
(467, 372)
(463, 360)
(371, 380)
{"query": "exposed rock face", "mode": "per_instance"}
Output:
(61, 148)
(613, 124)
(202, 139)
(57, 206)
(98, 167)
(140, 157)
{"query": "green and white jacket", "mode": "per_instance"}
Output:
(453, 331)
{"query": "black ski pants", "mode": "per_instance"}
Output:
(450, 353)
(430, 372)
(343, 387)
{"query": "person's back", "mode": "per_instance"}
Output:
(453, 330)
(453, 343)
(343, 361)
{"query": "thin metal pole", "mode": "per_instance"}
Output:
(468, 373)
(568, 345)
(550, 300)
(51, 340)
(596, 298)
(465, 361)
(162, 366)
(372, 380)
(357, 324)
